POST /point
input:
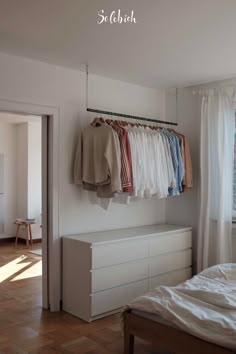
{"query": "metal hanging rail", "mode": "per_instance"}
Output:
(115, 114)
(130, 116)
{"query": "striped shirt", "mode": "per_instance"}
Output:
(126, 162)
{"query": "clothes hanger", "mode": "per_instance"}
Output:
(102, 120)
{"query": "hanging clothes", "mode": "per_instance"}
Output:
(126, 165)
(186, 156)
(188, 177)
(97, 160)
(123, 162)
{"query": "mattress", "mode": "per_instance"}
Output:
(204, 306)
(151, 316)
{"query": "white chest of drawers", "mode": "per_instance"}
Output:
(103, 271)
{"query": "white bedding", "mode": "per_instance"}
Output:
(204, 306)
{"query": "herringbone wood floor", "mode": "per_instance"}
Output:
(26, 328)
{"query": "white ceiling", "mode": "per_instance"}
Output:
(174, 42)
(12, 118)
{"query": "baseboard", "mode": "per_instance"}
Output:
(20, 240)
(7, 239)
(37, 240)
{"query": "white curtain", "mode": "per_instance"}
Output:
(216, 169)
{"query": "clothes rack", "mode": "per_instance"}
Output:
(123, 115)
(130, 116)
(124, 162)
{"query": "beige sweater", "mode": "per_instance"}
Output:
(97, 158)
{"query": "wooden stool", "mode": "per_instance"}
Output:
(28, 232)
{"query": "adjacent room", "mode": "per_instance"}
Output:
(117, 176)
(21, 207)
(21, 174)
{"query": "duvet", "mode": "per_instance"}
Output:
(204, 306)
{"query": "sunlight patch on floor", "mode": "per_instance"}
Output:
(12, 268)
(33, 271)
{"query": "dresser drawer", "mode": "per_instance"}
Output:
(170, 279)
(107, 278)
(170, 243)
(115, 298)
(168, 262)
(118, 252)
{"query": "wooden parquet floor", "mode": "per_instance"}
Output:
(26, 328)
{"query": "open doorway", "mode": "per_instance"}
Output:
(51, 258)
(21, 207)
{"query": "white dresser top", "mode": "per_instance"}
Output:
(125, 234)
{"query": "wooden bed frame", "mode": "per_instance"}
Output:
(168, 339)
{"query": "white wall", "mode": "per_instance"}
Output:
(184, 208)
(29, 174)
(22, 171)
(35, 176)
(34, 171)
(34, 82)
(234, 243)
(8, 148)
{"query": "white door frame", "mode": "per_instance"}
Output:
(50, 197)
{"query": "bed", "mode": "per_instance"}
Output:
(197, 316)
